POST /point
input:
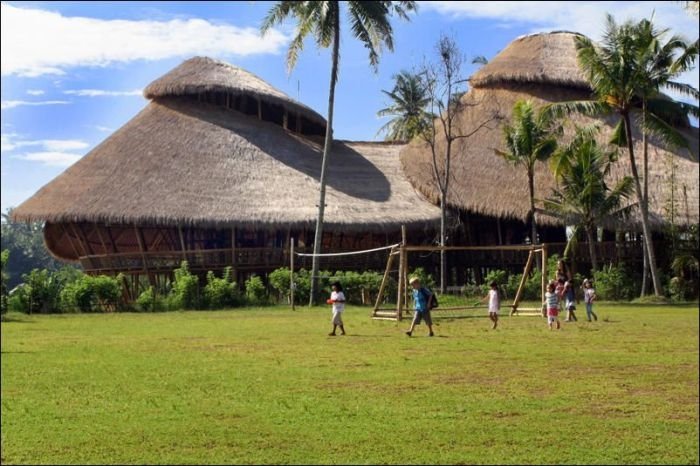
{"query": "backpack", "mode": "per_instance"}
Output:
(434, 302)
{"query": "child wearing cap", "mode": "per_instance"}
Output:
(422, 298)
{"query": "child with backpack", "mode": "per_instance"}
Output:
(424, 301)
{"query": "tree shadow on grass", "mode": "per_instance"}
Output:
(17, 321)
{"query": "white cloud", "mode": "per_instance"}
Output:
(10, 142)
(104, 129)
(35, 92)
(35, 42)
(5, 104)
(100, 92)
(52, 159)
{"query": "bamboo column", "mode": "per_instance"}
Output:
(291, 272)
(519, 293)
(544, 278)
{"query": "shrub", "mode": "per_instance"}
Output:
(613, 283)
(220, 292)
(255, 291)
(279, 281)
(92, 294)
(185, 289)
(425, 278)
(40, 292)
(4, 256)
(147, 301)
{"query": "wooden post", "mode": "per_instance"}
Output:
(139, 238)
(518, 294)
(402, 274)
(291, 272)
(389, 262)
(182, 243)
(544, 278)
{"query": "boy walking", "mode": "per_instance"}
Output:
(588, 298)
(423, 298)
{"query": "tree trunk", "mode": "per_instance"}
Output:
(443, 265)
(591, 234)
(645, 157)
(326, 152)
(645, 209)
(531, 214)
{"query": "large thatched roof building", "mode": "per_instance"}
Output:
(542, 68)
(221, 163)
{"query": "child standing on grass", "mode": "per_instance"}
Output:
(552, 301)
(423, 299)
(494, 303)
(588, 298)
(570, 297)
(338, 302)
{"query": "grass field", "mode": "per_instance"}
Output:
(268, 386)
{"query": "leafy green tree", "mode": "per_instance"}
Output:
(583, 198)
(369, 22)
(408, 102)
(529, 137)
(617, 74)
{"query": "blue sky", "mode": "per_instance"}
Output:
(72, 72)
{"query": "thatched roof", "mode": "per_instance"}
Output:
(485, 183)
(204, 74)
(182, 162)
(548, 58)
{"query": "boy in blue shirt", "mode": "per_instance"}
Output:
(423, 298)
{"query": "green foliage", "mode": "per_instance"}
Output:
(220, 292)
(146, 302)
(425, 278)
(100, 293)
(280, 281)
(184, 293)
(40, 292)
(255, 291)
(613, 283)
(408, 101)
(25, 243)
(4, 256)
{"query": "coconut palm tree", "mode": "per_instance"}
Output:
(615, 74)
(661, 63)
(583, 198)
(369, 22)
(408, 102)
(529, 137)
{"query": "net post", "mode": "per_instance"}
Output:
(402, 273)
(544, 278)
(389, 262)
(291, 272)
(519, 293)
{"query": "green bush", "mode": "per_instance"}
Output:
(100, 293)
(613, 283)
(147, 301)
(255, 291)
(4, 256)
(184, 293)
(220, 292)
(280, 281)
(425, 278)
(40, 292)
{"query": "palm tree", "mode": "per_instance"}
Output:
(529, 137)
(583, 198)
(661, 62)
(408, 101)
(616, 76)
(369, 21)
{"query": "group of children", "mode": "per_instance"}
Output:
(558, 291)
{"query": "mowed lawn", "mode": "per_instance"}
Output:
(268, 386)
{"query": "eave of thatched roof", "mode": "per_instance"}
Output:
(548, 58)
(484, 183)
(180, 162)
(204, 74)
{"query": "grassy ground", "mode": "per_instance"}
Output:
(268, 386)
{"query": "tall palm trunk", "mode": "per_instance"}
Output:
(645, 210)
(326, 152)
(645, 156)
(591, 234)
(531, 214)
